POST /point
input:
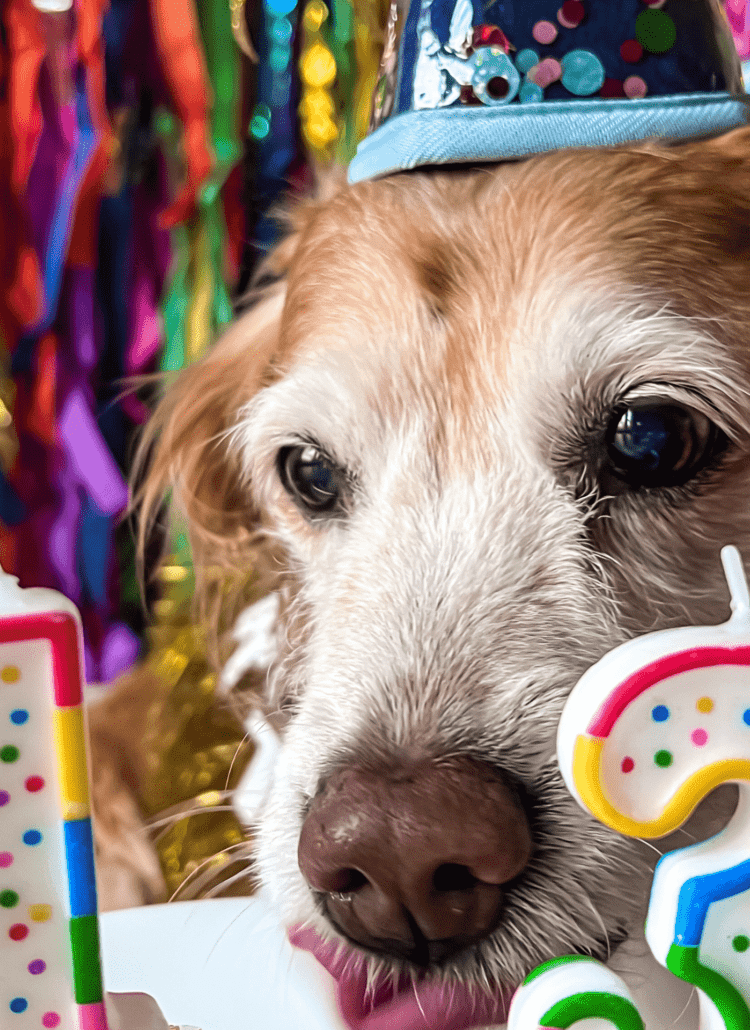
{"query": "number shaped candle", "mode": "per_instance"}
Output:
(50, 971)
(565, 990)
(646, 734)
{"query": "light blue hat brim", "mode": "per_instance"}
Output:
(480, 134)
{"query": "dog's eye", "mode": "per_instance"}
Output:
(311, 478)
(656, 443)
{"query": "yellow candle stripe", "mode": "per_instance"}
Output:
(70, 744)
(587, 775)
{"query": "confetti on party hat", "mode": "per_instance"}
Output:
(472, 81)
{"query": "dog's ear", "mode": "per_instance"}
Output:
(184, 447)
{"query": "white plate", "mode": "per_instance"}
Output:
(219, 965)
(227, 965)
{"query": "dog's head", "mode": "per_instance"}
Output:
(490, 423)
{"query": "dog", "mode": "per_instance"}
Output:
(480, 426)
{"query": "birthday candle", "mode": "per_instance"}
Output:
(563, 991)
(50, 971)
(646, 734)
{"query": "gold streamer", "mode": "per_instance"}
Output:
(239, 30)
(317, 65)
(198, 316)
(372, 19)
(8, 437)
(336, 101)
(196, 753)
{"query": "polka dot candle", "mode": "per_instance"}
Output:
(48, 917)
(646, 734)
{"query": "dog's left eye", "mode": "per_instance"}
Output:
(311, 478)
(655, 443)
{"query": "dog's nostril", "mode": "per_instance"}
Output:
(347, 881)
(452, 877)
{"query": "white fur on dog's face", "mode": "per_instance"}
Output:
(458, 346)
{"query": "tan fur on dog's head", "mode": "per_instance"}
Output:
(455, 342)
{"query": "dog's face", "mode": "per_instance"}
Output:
(495, 422)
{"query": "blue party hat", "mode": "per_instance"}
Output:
(488, 80)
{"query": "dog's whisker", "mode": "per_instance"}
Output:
(685, 1006)
(197, 889)
(599, 920)
(653, 847)
(686, 833)
(226, 929)
(238, 749)
(207, 861)
(419, 1003)
(243, 874)
(173, 818)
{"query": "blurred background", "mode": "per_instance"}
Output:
(143, 147)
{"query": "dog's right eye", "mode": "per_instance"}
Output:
(312, 480)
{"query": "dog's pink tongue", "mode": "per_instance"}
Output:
(407, 1007)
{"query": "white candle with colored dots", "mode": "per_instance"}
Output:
(50, 972)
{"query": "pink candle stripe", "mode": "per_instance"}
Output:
(93, 1016)
(661, 669)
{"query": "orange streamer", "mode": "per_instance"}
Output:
(184, 66)
(40, 418)
(27, 48)
(21, 294)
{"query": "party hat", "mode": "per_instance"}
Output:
(467, 81)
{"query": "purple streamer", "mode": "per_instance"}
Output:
(89, 456)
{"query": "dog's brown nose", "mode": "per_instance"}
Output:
(413, 861)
